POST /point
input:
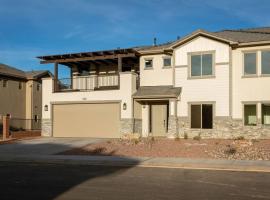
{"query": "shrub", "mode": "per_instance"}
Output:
(240, 138)
(230, 150)
(197, 137)
(177, 139)
(185, 136)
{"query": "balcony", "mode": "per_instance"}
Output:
(89, 83)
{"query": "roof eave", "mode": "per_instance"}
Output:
(200, 33)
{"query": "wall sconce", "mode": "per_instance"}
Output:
(46, 108)
(124, 106)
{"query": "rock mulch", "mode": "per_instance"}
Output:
(186, 148)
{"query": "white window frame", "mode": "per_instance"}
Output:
(190, 54)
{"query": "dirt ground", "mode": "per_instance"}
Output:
(186, 148)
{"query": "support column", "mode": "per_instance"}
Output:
(6, 127)
(120, 63)
(56, 77)
(172, 121)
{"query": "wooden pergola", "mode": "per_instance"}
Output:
(85, 60)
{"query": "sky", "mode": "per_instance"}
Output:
(31, 28)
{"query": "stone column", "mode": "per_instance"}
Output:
(172, 120)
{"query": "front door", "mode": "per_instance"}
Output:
(159, 119)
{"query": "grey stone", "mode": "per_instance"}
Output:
(46, 127)
(126, 126)
(225, 128)
(138, 126)
(172, 127)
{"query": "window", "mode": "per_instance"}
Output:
(20, 85)
(265, 62)
(250, 115)
(250, 66)
(201, 65)
(4, 83)
(167, 62)
(38, 87)
(148, 63)
(266, 114)
(202, 116)
(36, 118)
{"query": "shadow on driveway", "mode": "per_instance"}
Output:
(46, 181)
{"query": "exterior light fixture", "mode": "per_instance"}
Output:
(124, 106)
(46, 108)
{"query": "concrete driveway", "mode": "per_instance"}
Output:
(44, 146)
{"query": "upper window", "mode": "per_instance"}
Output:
(167, 62)
(201, 65)
(4, 83)
(20, 85)
(148, 63)
(250, 115)
(250, 66)
(265, 62)
(38, 87)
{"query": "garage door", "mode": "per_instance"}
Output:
(100, 120)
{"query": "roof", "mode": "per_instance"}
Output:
(237, 36)
(146, 92)
(105, 54)
(7, 70)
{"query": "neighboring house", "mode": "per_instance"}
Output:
(212, 84)
(20, 96)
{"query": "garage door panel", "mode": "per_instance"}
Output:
(86, 120)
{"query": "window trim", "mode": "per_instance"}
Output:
(213, 75)
(243, 113)
(244, 75)
(213, 103)
(147, 59)
(166, 57)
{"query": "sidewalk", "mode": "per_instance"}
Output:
(229, 165)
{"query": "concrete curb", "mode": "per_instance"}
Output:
(181, 163)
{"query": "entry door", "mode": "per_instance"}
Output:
(159, 119)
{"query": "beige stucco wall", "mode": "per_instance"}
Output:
(156, 76)
(123, 95)
(12, 99)
(248, 89)
(214, 89)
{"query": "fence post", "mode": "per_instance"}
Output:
(6, 127)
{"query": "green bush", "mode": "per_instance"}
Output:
(197, 137)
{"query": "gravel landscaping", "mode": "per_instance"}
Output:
(187, 148)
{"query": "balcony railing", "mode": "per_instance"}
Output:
(92, 82)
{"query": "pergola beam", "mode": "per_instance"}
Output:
(88, 58)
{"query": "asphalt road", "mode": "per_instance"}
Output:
(58, 181)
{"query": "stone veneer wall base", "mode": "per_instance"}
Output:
(46, 127)
(224, 128)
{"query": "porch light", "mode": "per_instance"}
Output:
(124, 106)
(46, 108)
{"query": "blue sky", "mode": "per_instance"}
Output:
(29, 28)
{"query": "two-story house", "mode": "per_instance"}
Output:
(212, 84)
(20, 96)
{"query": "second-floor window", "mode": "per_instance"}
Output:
(250, 63)
(167, 62)
(265, 68)
(148, 63)
(4, 83)
(38, 87)
(20, 85)
(201, 65)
